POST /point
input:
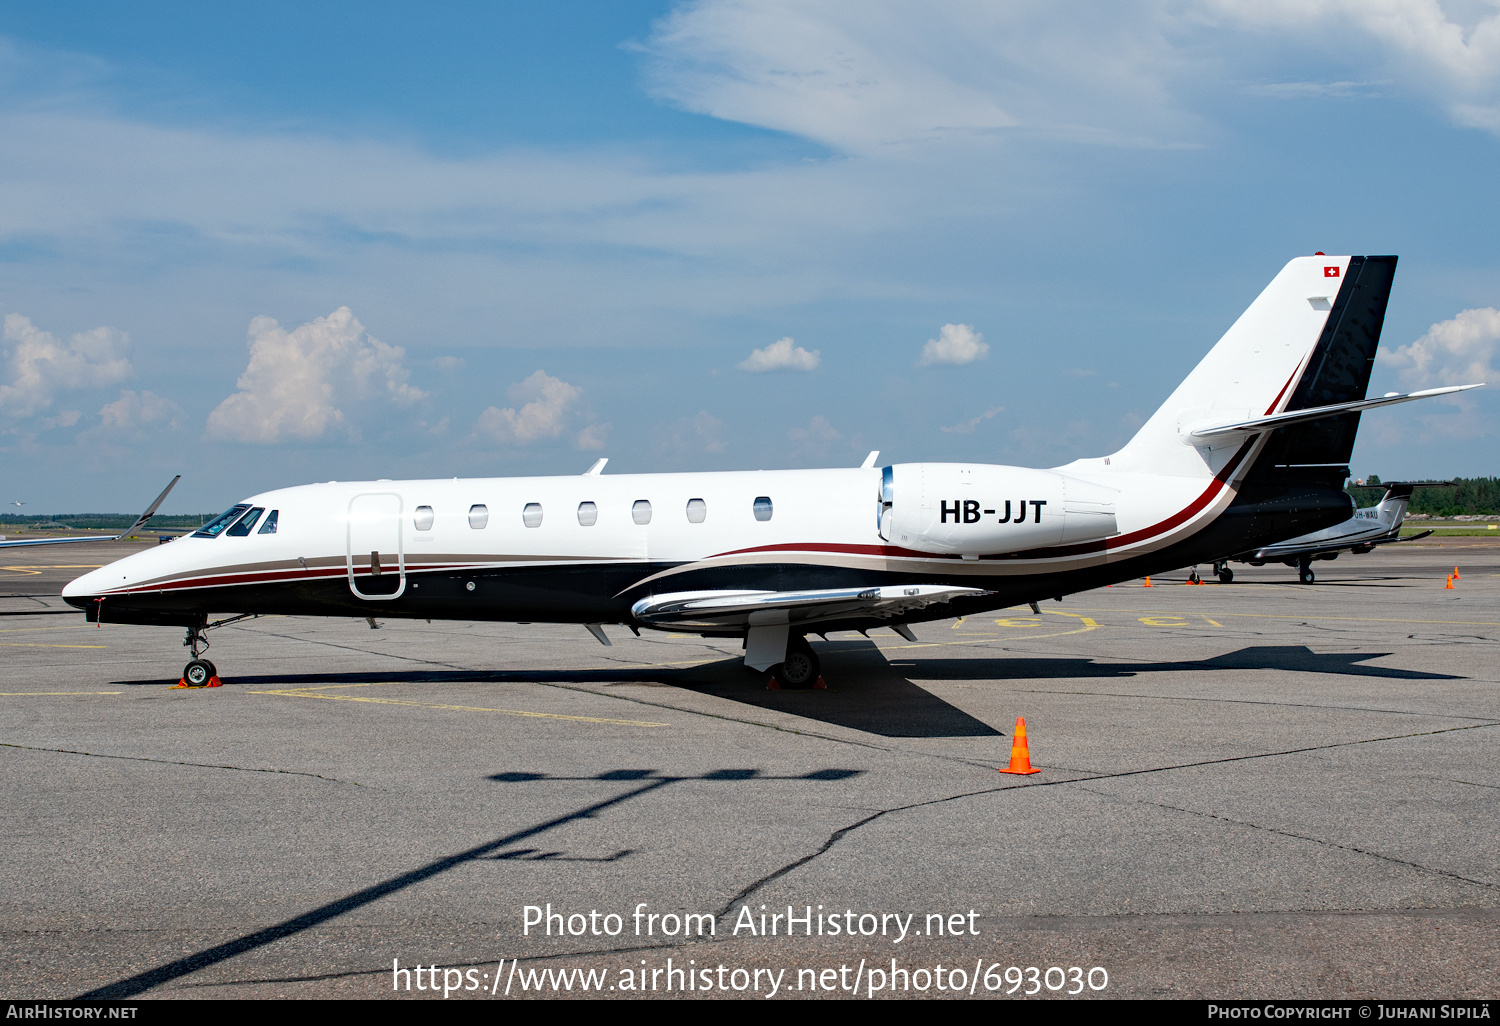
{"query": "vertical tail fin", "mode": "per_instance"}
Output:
(1308, 340)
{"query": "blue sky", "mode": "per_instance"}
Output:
(311, 242)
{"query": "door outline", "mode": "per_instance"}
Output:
(400, 546)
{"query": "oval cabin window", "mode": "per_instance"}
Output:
(588, 514)
(763, 507)
(640, 512)
(531, 516)
(479, 516)
(421, 519)
(697, 511)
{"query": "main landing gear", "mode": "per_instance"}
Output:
(1225, 574)
(1304, 570)
(801, 669)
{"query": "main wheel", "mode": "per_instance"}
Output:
(1305, 575)
(801, 667)
(1225, 575)
(197, 672)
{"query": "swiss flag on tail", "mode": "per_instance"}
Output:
(1330, 272)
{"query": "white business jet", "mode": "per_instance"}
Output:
(1249, 450)
(1370, 526)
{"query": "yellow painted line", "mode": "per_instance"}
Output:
(18, 694)
(39, 644)
(35, 568)
(1286, 616)
(23, 630)
(309, 693)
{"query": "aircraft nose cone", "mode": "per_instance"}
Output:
(88, 586)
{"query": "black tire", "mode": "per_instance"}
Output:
(801, 668)
(213, 671)
(1226, 575)
(1193, 577)
(197, 672)
(1306, 576)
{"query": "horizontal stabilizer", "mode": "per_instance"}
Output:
(737, 608)
(1218, 434)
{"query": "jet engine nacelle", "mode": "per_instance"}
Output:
(976, 509)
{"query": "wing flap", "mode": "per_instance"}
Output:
(741, 608)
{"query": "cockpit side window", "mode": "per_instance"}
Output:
(269, 527)
(216, 526)
(245, 523)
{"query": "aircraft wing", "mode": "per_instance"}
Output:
(719, 609)
(139, 522)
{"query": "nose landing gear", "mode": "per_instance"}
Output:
(1304, 570)
(200, 672)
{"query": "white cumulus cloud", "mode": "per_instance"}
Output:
(1450, 51)
(967, 427)
(138, 409)
(300, 383)
(703, 433)
(783, 354)
(39, 364)
(956, 344)
(1460, 351)
(545, 408)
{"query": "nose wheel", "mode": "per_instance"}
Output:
(1304, 571)
(200, 673)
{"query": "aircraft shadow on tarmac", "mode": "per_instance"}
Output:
(1297, 658)
(866, 692)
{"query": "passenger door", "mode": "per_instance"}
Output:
(375, 559)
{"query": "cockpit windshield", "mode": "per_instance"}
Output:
(245, 523)
(216, 526)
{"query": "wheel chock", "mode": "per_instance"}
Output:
(212, 682)
(1020, 752)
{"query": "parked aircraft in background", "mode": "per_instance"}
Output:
(1370, 526)
(1251, 449)
(140, 522)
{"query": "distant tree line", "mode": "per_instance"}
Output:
(100, 521)
(1465, 495)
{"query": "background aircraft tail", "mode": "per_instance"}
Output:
(1307, 341)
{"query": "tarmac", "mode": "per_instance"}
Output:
(1254, 790)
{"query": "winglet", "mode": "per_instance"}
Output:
(150, 510)
(870, 460)
(597, 468)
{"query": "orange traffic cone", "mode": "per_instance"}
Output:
(1020, 754)
(1455, 574)
(1449, 585)
(1148, 583)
